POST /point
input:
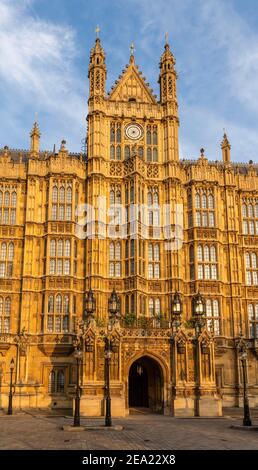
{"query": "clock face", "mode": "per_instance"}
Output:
(133, 131)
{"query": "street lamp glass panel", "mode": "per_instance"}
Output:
(12, 364)
(177, 304)
(113, 303)
(90, 302)
(198, 306)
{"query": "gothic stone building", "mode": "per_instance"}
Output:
(48, 264)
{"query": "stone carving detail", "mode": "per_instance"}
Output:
(152, 171)
(129, 166)
(115, 169)
(22, 340)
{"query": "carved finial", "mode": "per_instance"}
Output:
(63, 145)
(225, 146)
(132, 51)
(225, 141)
(35, 137)
(97, 31)
(202, 152)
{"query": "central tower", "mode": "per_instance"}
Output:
(132, 146)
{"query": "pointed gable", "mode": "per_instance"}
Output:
(132, 86)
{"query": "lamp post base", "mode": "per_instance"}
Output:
(76, 421)
(108, 419)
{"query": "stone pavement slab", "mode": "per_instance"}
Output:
(140, 432)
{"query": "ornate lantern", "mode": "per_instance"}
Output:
(198, 307)
(176, 310)
(90, 304)
(113, 304)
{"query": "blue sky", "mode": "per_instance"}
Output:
(44, 53)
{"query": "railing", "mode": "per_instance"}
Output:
(145, 323)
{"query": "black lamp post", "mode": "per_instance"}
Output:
(243, 358)
(90, 304)
(176, 311)
(113, 307)
(108, 351)
(78, 357)
(10, 404)
(198, 316)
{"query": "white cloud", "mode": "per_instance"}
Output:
(36, 65)
(218, 68)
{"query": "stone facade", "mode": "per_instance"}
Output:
(48, 264)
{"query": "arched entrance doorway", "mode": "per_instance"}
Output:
(146, 385)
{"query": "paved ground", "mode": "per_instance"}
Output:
(41, 430)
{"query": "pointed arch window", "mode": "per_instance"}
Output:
(207, 262)
(155, 136)
(62, 202)
(118, 152)
(127, 152)
(250, 216)
(253, 320)
(205, 208)
(51, 382)
(151, 307)
(112, 197)
(8, 203)
(5, 314)
(148, 137)
(60, 314)
(60, 257)
(10, 252)
(14, 198)
(149, 154)
(3, 251)
(69, 195)
(56, 381)
(53, 248)
(51, 304)
(112, 152)
(112, 133)
(55, 194)
(155, 154)
(118, 197)
(6, 259)
(6, 198)
(213, 316)
(115, 141)
(154, 306)
(152, 143)
(67, 248)
(118, 133)
(251, 269)
(115, 259)
(62, 194)
(141, 152)
(157, 306)
(153, 261)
